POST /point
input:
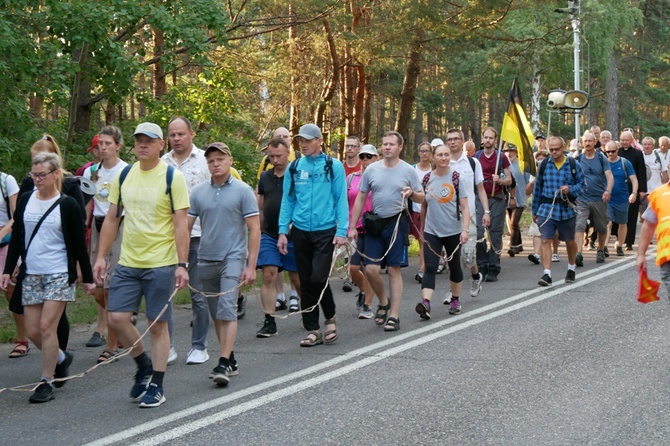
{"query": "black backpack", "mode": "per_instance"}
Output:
(293, 168)
(168, 190)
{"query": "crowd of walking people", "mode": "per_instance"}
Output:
(145, 221)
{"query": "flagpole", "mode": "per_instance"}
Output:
(495, 172)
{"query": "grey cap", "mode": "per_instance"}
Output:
(150, 129)
(309, 131)
(436, 142)
(369, 149)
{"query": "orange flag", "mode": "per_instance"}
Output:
(647, 291)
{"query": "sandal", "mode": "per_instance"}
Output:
(332, 333)
(313, 338)
(392, 324)
(20, 349)
(380, 318)
(106, 355)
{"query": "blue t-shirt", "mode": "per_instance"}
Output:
(594, 174)
(620, 190)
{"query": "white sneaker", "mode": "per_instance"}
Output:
(476, 286)
(172, 357)
(447, 298)
(555, 258)
(196, 356)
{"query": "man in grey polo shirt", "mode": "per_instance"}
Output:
(227, 209)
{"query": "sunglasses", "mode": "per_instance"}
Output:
(610, 151)
(366, 156)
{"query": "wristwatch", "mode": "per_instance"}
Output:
(182, 264)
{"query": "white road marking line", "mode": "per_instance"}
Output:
(312, 382)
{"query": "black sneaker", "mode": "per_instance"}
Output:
(62, 370)
(142, 379)
(268, 329)
(220, 373)
(347, 286)
(534, 258)
(570, 276)
(579, 259)
(629, 247)
(600, 256)
(423, 309)
(619, 251)
(232, 365)
(153, 397)
(43, 394)
(360, 300)
(606, 251)
(280, 305)
(241, 306)
(492, 276)
(545, 280)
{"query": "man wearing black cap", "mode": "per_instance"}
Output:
(153, 260)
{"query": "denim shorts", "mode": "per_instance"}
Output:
(128, 285)
(377, 245)
(565, 228)
(38, 288)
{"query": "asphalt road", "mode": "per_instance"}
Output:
(572, 364)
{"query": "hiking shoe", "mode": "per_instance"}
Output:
(153, 397)
(492, 276)
(619, 251)
(475, 286)
(455, 307)
(232, 365)
(534, 258)
(606, 251)
(142, 379)
(423, 309)
(570, 276)
(196, 356)
(241, 306)
(545, 280)
(366, 312)
(419, 276)
(600, 256)
(555, 258)
(172, 356)
(43, 394)
(293, 305)
(97, 340)
(347, 286)
(62, 370)
(268, 329)
(280, 305)
(579, 259)
(360, 301)
(220, 373)
(448, 296)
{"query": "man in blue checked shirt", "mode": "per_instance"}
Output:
(559, 182)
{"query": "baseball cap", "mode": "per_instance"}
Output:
(94, 143)
(309, 131)
(150, 129)
(436, 142)
(369, 149)
(512, 147)
(221, 147)
(540, 136)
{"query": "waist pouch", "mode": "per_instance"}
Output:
(374, 224)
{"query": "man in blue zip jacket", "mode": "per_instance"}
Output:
(314, 208)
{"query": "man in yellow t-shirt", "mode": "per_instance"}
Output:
(153, 260)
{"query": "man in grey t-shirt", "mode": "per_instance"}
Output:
(592, 204)
(391, 182)
(227, 209)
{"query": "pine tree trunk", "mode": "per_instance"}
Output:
(535, 100)
(612, 97)
(407, 97)
(159, 84)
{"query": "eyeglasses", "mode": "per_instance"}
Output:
(453, 139)
(425, 151)
(555, 150)
(610, 151)
(366, 156)
(40, 175)
(350, 146)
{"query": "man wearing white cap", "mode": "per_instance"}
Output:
(154, 254)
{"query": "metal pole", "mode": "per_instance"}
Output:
(575, 31)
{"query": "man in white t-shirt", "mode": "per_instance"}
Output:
(471, 179)
(663, 152)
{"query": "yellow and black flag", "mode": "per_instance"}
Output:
(516, 130)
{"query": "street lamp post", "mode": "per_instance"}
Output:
(573, 9)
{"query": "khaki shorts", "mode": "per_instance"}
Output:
(112, 258)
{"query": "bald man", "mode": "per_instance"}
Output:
(636, 158)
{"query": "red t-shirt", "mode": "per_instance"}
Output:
(349, 170)
(488, 169)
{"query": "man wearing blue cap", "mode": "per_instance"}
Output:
(154, 254)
